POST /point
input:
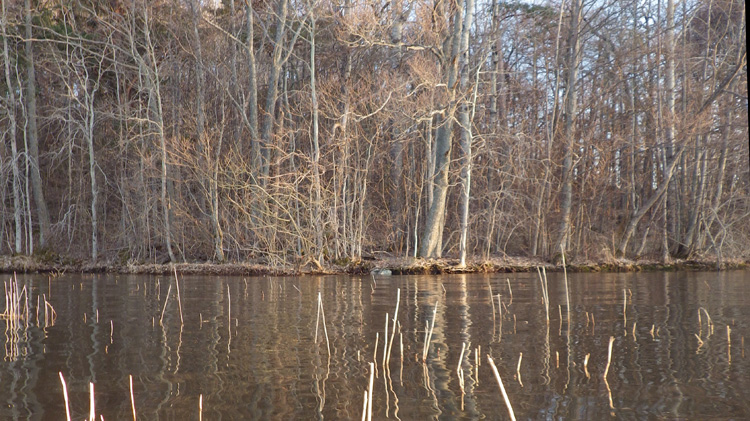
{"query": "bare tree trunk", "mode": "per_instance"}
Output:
(573, 62)
(433, 230)
(670, 126)
(12, 129)
(33, 135)
(464, 120)
(317, 206)
(272, 90)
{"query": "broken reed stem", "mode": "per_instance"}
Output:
(132, 398)
(502, 388)
(65, 395)
(609, 356)
(92, 404)
(624, 307)
(179, 300)
(369, 392)
(166, 300)
(200, 407)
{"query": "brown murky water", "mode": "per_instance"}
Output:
(247, 347)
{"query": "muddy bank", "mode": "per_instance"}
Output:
(385, 265)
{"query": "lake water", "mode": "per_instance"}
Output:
(246, 348)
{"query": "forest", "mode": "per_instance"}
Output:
(280, 131)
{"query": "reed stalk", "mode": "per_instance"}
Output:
(364, 408)
(429, 335)
(510, 291)
(369, 392)
(609, 356)
(395, 320)
(92, 404)
(586, 366)
(166, 300)
(200, 407)
(729, 344)
(65, 395)
(502, 388)
(322, 313)
(385, 343)
(518, 369)
(179, 300)
(132, 399)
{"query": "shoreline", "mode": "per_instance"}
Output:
(383, 266)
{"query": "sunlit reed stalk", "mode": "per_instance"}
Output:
(635, 323)
(375, 352)
(709, 322)
(477, 363)
(179, 300)
(385, 341)
(510, 290)
(586, 366)
(567, 289)
(459, 370)
(322, 313)
(200, 407)
(65, 395)
(92, 404)
(429, 335)
(624, 307)
(166, 300)
(609, 355)
(729, 345)
(518, 369)
(500, 314)
(369, 392)
(364, 407)
(395, 320)
(132, 398)
(502, 388)
(492, 301)
(545, 293)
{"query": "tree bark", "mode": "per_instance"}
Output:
(573, 62)
(33, 135)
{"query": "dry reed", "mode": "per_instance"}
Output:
(609, 356)
(92, 404)
(370, 390)
(65, 395)
(179, 300)
(502, 388)
(132, 398)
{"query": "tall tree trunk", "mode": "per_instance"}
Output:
(33, 135)
(669, 88)
(12, 132)
(272, 90)
(573, 62)
(317, 206)
(433, 230)
(464, 120)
